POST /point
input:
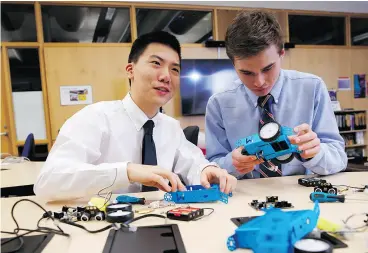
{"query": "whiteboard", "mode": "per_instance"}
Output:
(29, 115)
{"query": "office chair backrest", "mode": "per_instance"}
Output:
(191, 133)
(29, 147)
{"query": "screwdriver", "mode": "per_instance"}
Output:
(326, 197)
(131, 200)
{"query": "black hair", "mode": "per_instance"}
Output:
(160, 37)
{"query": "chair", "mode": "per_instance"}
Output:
(29, 147)
(191, 133)
(29, 150)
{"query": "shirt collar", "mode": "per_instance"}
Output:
(275, 91)
(136, 115)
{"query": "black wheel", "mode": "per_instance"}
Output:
(318, 190)
(270, 131)
(285, 158)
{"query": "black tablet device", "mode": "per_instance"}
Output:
(153, 239)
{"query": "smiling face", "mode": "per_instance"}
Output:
(260, 72)
(155, 77)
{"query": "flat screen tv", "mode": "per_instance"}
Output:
(200, 79)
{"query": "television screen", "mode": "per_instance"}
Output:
(200, 79)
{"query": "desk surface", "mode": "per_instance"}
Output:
(19, 174)
(208, 234)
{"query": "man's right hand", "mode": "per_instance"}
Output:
(243, 163)
(154, 176)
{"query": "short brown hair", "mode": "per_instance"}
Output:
(251, 32)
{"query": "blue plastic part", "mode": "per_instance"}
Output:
(254, 145)
(197, 194)
(129, 199)
(276, 231)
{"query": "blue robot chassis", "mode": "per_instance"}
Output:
(278, 149)
(276, 231)
(197, 194)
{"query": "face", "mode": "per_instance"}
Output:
(155, 77)
(260, 72)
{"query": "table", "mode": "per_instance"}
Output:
(210, 233)
(18, 178)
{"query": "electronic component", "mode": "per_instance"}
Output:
(67, 209)
(271, 201)
(85, 216)
(311, 181)
(197, 194)
(275, 231)
(100, 216)
(101, 203)
(59, 215)
(185, 213)
(326, 187)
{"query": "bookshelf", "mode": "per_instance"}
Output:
(353, 128)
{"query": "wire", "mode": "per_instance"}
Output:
(84, 228)
(353, 187)
(39, 229)
(364, 227)
(15, 159)
(144, 216)
(207, 208)
(108, 195)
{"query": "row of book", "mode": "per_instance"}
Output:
(351, 121)
(353, 138)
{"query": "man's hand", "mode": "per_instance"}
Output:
(244, 163)
(213, 174)
(154, 176)
(306, 140)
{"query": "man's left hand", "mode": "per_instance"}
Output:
(213, 174)
(306, 140)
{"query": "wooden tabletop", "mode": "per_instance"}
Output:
(19, 174)
(210, 233)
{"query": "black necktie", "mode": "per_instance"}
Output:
(265, 103)
(148, 150)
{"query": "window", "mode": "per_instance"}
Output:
(24, 69)
(187, 26)
(359, 31)
(316, 30)
(81, 24)
(18, 23)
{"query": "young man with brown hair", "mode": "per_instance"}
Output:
(128, 145)
(265, 93)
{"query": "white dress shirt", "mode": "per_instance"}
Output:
(95, 145)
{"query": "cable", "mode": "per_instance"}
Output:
(108, 194)
(206, 208)
(353, 187)
(15, 159)
(364, 227)
(145, 216)
(39, 229)
(84, 228)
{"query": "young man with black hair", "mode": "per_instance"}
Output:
(129, 145)
(264, 93)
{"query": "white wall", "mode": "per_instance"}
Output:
(332, 6)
